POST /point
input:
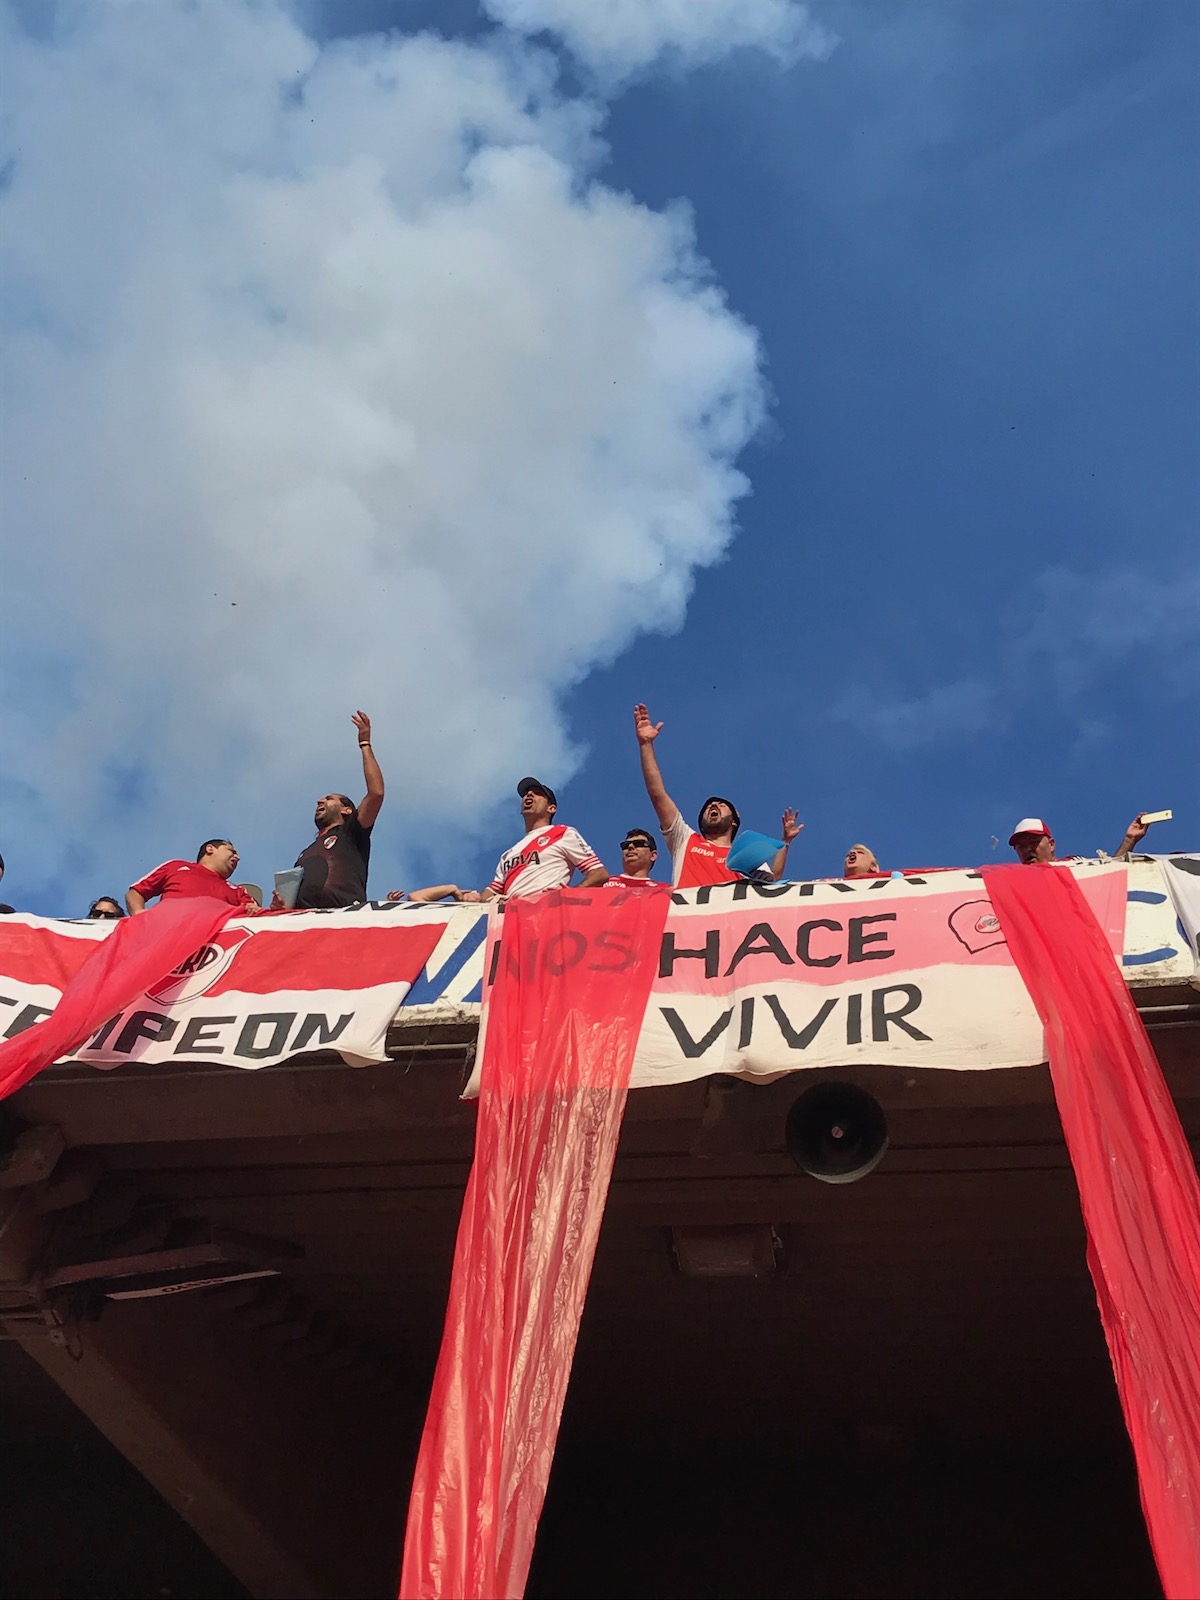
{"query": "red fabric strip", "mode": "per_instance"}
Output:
(43, 955)
(330, 958)
(138, 952)
(1138, 1192)
(319, 958)
(563, 1021)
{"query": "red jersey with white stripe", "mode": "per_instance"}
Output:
(694, 860)
(185, 879)
(543, 860)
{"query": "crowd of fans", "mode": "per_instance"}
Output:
(331, 871)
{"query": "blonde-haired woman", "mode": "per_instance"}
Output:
(860, 862)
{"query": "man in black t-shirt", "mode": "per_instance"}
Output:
(335, 863)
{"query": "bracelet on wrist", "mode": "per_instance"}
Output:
(364, 744)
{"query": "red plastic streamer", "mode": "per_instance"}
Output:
(563, 1018)
(1137, 1188)
(138, 952)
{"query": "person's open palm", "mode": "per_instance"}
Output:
(792, 825)
(362, 722)
(646, 730)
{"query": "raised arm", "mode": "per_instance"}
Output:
(791, 829)
(1134, 834)
(647, 732)
(369, 806)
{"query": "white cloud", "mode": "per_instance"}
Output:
(615, 38)
(950, 711)
(332, 377)
(1064, 636)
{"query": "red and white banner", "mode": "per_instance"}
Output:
(760, 979)
(1181, 874)
(752, 979)
(257, 991)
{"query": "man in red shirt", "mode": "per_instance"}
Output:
(698, 858)
(215, 863)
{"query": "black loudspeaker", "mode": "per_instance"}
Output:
(836, 1132)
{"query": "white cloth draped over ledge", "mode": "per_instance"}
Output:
(1181, 874)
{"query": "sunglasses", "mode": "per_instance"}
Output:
(636, 844)
(105, 916)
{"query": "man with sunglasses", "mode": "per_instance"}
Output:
(638, 855)
(105, 909)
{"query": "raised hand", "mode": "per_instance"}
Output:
(1137, 829)
(362, 722)
(792, 825)
(646, 730)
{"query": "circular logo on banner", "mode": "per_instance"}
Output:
(975, 925)
(196, 975)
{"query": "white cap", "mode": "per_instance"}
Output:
(1030, 825)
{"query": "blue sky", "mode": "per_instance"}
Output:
(964, 585)
(969, 241)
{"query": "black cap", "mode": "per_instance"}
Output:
(737, 821)
(535, 786)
